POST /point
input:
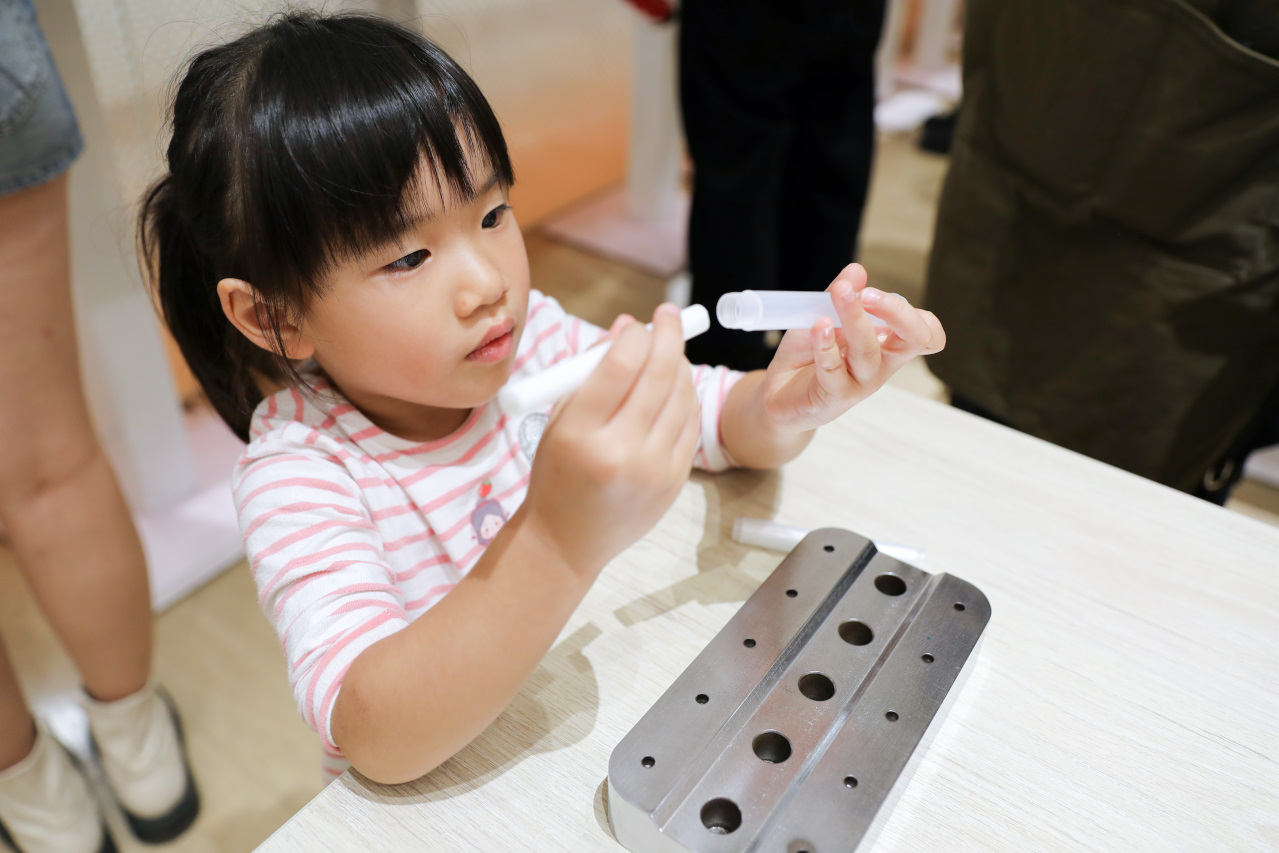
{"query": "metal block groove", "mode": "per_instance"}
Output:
(792, 728)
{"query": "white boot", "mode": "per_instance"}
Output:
(139, 742)
(46, 805)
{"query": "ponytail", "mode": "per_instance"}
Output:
(185, 284)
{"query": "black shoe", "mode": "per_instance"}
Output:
(939, 132)
(171, 824)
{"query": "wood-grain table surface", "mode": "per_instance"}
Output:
(1125, 697)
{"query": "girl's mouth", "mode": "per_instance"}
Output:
(497, 344)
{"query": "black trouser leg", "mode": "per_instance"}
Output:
(777, 102)
(737, 123)
(828, 163)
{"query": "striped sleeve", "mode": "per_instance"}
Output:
(318, 562)
(712, 385)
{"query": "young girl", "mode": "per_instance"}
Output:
(334, 224)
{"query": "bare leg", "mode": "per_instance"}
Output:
(66, 517)
(17, 729)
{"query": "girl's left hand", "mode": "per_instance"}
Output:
(822, 372)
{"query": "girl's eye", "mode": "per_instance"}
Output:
(495, 216)
(411, 261)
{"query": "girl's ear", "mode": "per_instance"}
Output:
(253, 319)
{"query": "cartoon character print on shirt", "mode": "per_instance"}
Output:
(488, 516)
(531, 429)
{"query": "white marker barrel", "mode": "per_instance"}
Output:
(567, 376)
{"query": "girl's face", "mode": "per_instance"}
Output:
(418, 334)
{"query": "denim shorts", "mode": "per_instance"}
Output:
(39, 137)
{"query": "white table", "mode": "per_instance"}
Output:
(1126, 695)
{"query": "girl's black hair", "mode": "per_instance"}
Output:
(294, 147)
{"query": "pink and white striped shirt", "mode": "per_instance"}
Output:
(352, 532)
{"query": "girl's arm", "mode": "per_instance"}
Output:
(317, 558)
(822, 372)
(412, 700)
(610, 463)
(749, 434)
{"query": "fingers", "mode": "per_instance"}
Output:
(622, 321)
(861, 338)
(901, 317)
(854, 274)
(608, 386)
(666, 438)
(936, 334)
(912, 331)
(653, 387)
(635, 375)
(833, 379)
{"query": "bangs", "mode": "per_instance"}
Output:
(345, 120)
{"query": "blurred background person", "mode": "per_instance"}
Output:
(1106, 256)
(777, 101)
(63, 511)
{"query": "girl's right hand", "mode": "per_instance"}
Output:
(615, 455)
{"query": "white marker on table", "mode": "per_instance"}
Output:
(784, 537)
(565, 377)
(768, 310)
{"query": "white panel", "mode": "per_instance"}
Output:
(653, 192)
(151, 451)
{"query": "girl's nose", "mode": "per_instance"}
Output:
(482, 284)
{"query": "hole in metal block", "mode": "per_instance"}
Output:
(772, 747)
(647, 761)
(817, 687)
(891, 716)
(748, 643)
(791, 593)
(850, 781)
(890, 584)
(926, 658)
(829, 548)
(721, 816)
(702, 698)
(856, 633)
(959, 606)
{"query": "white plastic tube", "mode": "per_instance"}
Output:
(766, 310)
(767, 534)
(784, 537)
(567, 376)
